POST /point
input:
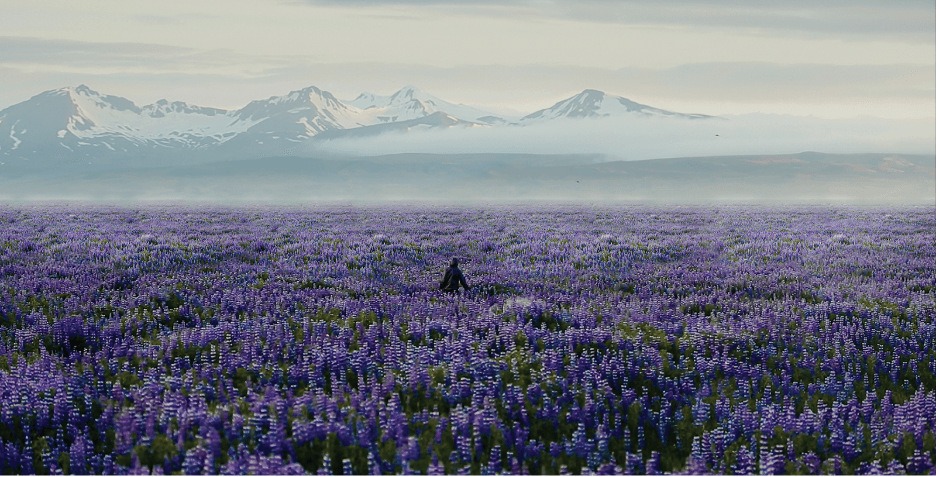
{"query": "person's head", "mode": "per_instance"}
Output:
(454, 262)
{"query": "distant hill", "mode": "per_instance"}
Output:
(806, 177)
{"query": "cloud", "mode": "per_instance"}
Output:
(27, 53)
(157, 19)
(913, 20)
(749, 81)
(24, 50)
(638, 138)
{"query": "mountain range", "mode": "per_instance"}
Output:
(76, 143)
(74, 125)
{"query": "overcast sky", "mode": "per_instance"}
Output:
(834, 59)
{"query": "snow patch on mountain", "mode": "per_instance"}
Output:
(368, 100)
(16, 141)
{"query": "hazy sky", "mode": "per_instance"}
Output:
(829, 59)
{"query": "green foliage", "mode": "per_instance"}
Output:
(239, 380)
(551, 321)
(707, 309)
(160, 448)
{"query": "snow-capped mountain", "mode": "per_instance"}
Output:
(591, 103)
(80, 122)
(281, 122)
(308, 111)
(79, 125)
(411, 103)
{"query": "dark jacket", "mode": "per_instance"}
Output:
(453, 280)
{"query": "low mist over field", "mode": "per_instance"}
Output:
(640, 137)
(787, 178)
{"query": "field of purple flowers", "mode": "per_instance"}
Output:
(595, 340)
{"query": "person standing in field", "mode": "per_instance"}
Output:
(453, 278)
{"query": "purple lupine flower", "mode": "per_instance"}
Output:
(919, 462)
(744, 464)
(326, 467)
(652, 464)
(734, 260)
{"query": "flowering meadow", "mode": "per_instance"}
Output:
(605, 340)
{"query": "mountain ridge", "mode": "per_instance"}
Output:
(74, 124)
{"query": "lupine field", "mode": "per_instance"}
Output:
(605, 340)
